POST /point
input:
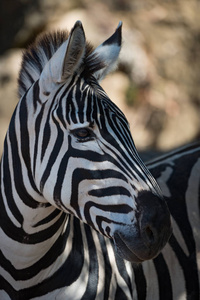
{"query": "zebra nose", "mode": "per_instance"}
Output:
(154, 221)
(145, 239)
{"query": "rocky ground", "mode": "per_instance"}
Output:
(157, 84)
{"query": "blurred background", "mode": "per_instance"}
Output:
(157, 84)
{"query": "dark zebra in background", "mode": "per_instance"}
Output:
(175, 273)
(78, 206)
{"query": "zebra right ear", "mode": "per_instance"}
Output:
(65, 61)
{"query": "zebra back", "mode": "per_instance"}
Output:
(175, 273)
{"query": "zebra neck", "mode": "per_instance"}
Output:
(30, 228)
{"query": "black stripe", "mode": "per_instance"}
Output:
(120, 295)
(17, 168)
(164, 280)
(60, 113)
(6, 286)
(108, 268)
(140, 282)
(61, 174)
(36, 95)
(90, 105)
(93, 272)
(37, 131)
(178, 189)
(47, 131)
(122, 271)
(109, 191)
(53, 156)
(189, 267)
(25, 140)
(8, 191)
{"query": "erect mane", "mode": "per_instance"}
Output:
(39, 53)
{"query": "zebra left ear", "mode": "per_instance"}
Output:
(105, 55)
(65, 61)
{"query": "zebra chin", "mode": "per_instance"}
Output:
(144, 239)
(136, 253)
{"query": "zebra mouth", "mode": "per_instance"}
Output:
(124, 251)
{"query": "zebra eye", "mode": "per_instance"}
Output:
(83, 134)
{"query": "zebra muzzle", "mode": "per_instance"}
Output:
(144, 239)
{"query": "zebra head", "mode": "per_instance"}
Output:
(82, 155)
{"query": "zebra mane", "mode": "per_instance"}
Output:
(39, 53)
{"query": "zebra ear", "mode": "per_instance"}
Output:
(66, 60)
(105, 56)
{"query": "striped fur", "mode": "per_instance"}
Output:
(78, 205)
(175, 273)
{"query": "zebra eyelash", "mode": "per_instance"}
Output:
(83, 134)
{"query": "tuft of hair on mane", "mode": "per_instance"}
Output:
(39, 53)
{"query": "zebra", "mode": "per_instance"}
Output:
(175, 272)
(78, 205)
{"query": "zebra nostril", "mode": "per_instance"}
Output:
(149, 235)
